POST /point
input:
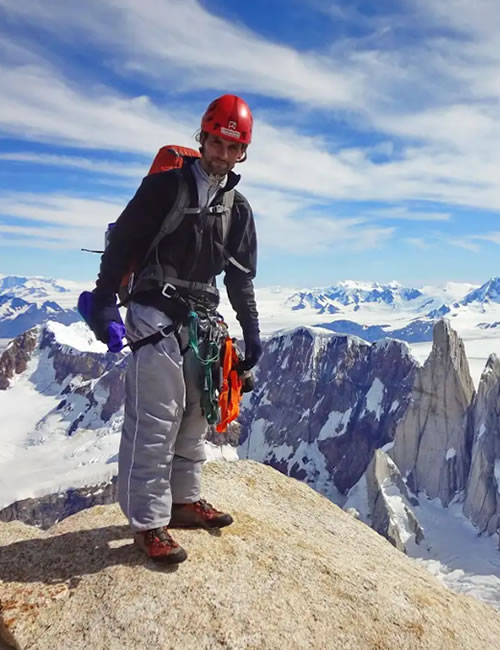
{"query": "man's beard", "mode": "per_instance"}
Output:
(218, 168)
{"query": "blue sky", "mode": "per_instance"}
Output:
(376, 152)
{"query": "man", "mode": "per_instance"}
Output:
(162, 446)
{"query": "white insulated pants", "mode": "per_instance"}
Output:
(162, 445)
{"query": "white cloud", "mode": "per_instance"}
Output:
(60, 221)
(480, 18)
(38, 104)
(284, 222)
(493, 237)
(405, 214)
(107, 167)
(434, 104)
(418, 242)
(158, 40)
(466, 244)
(62, 238)
(61, 209)
(293, 224)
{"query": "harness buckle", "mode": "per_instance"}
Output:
(166, 330)
(169, 290)
(216, 209)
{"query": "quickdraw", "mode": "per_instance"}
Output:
(204, 338)
(222, 386)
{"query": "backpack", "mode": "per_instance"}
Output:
(167, 158)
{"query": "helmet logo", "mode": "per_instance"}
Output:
(231, 131)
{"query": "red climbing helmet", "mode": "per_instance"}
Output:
(229, 117)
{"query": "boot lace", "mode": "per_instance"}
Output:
(205, 506)
(159, 537)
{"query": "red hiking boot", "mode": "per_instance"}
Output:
(159, 545)
(199, 514)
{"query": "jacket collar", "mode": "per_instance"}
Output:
(232, 178)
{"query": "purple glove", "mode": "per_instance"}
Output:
(116, 334)
(103, 317)
(253, 347)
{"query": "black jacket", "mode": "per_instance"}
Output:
(141, 220)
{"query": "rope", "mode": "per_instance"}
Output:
(210, 362)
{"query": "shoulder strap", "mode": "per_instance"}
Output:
(174, 216)
(227, 202)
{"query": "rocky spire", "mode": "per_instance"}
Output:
(431, 442)
(381, 500)
(482, 504)
(14, 359)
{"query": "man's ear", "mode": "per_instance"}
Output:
(243, 155)
(202, 136)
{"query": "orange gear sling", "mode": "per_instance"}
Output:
(230, 394)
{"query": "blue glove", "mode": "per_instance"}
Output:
(253, 347)
(103, 317)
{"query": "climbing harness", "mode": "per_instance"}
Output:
(222, 384)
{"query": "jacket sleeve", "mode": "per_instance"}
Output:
(134, 231)
(241, 264)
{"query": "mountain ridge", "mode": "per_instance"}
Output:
(323, 404)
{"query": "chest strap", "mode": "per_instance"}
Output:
(155, 277)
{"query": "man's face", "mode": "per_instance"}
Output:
(220, 155)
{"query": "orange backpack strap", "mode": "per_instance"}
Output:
(172, 156)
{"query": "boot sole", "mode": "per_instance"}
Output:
(205, 525)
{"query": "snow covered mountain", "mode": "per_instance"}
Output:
(374, 299)
(417, 331)
(340, 395)
(61, 410)
(487, 293)
(394, 310)
(27, 302)
(18, 315)
(339, 399)
(53, 390)
(324, 404)
(375, 311)
(353, 293)
(38, 290)
(372, 311)
(328, 410)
